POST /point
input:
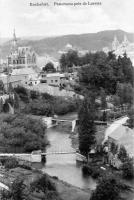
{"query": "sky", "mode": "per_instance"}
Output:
(61, 20)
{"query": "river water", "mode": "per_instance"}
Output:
(64, 166)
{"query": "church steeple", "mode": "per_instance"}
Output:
(14, 41)
(115, 43)
(125, 41)
(14, 35)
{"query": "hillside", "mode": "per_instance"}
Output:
(89, 41)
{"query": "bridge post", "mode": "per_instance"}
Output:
(73, 125)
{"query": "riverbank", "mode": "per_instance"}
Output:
(68, 191)
(64, 189)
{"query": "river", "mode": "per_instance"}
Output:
(64, 166)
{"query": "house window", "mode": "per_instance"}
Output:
(43, 81)
(25, 82)
(56, 80)
(51, 81)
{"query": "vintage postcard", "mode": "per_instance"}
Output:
(66, 99)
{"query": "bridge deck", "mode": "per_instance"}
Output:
(53, 153)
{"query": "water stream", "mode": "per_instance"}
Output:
(64, 166)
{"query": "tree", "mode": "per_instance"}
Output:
(127, 68)
(39, 107)
(44, 188)
(16, 100)
(49, 67)
(43, 184)
(131, 118)
(128, 169)
(122, 155)
(6, 195)
(17, 189)
(16, 192)
(1, 86)
(10, 163)
(22, 134)
(103, 99)
(67, 60)
(114, 148)
(63, 63)
(107, 189)
(86, 128)
(34, 94)
(105, 71)
(22, 93)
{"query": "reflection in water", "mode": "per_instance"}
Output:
(64, 166)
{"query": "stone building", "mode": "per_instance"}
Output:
(119, 48)
(21, 57)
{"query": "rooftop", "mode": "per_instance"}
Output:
(122, 134)
(23, 71)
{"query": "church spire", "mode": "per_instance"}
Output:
(14, 35)
(115, 43)
(14, 41)
(125, 41)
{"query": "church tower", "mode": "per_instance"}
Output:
(125, 42)
(14, 42)
(115, 44)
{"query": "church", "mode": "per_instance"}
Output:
(21, 57)
(120, 48)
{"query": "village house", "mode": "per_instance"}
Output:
(23, 76)
(121, 135)
(28, 76)
(10, 80)
(53, 79)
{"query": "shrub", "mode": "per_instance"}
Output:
(87, 170)
(47, 96)
(91, 171)
(107, 189)
(11, 163)
(22, 134)
(128, 169)
(38, 107)
(34, 94)
(43, 184)
(62, 106)
(23, 93)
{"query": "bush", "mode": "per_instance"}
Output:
(96, 173)
(92, 171)
(107, 189)
(11, 163)
(23, 93)
(43, 184)
(22, 134)
(62, 106)
(38, 107)
(128, 170)
(47, 96)
(86, 170)
(34, 94)
(25, 167)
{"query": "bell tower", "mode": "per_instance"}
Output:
(125, 42)
(14, 42)
(115, 43)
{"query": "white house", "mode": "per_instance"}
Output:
(120, 135)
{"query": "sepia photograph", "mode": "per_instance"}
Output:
(66, 100)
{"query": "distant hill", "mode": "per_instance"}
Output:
(88, 41)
